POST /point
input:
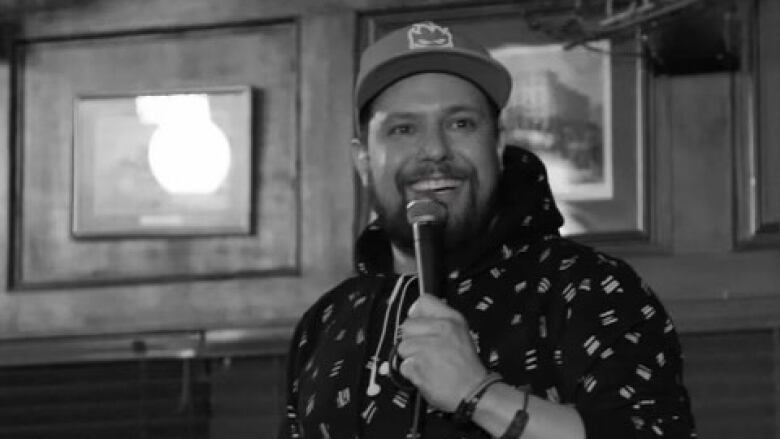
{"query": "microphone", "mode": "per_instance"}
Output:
(428, 218)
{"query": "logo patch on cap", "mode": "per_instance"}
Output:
(428, 34)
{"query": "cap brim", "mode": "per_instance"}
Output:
(490, 76)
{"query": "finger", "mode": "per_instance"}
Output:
(417, 345)
(429, 306)
(417, 326)
(409, 368)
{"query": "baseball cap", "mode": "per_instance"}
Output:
(429, 47)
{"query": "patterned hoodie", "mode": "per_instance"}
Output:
(577, 326)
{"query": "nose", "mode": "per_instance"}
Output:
(436, 145)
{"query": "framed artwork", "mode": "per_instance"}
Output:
(561, 109)
(162, 163)
(565, 108)
(758, 158)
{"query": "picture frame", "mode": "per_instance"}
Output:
(605, 198)
(162, 163)
(757, 158)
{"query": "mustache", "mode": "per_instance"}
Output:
(425, 170)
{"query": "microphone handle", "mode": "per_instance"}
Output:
(429, 252)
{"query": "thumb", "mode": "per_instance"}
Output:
(430, 306)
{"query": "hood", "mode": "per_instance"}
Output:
(526, 212)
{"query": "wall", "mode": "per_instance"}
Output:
(697, 249)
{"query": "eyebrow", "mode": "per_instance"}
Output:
(448, 110)
(468, 108)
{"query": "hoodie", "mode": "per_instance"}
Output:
(574, 325)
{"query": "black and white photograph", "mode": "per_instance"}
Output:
(389, 219)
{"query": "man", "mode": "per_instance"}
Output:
(535, 337)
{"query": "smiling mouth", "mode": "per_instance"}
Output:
(435, 185)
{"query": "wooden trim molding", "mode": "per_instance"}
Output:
(270, 340)
(757, 104)
(263, 56)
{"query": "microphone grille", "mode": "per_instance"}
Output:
(426, 210)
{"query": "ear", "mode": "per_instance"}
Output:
(360, 160)
(500, 147)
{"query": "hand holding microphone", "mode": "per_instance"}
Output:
(437, 352)
(428, 218)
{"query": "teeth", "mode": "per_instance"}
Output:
(435, 184)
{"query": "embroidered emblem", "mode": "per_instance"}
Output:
(342, 397)
(309, 405)
(644, 372)
(592, 344)
(464, 286)
(668, 326)
(485, 303)
(336, 369)
(590, 383)
(369, 412)
(493, 359)
(327, 312)
(627, 392)
(648, 311)
(542, 327)
(608, 317)
(427, 35)
(611, 285)
(569, 292)
(506, 252)
(401, 399)
(360, 337)
(324, 430)
(567, 263)
(633, 337)
(531, 359)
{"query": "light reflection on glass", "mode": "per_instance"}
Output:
(188, 153)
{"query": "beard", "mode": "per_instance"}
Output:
(464, 223)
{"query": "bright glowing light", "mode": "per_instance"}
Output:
(187, 153)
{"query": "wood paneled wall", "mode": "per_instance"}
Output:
(300, 55)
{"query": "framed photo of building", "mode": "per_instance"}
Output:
(579, 107)
(560, 109)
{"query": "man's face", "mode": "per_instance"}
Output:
(431, 135)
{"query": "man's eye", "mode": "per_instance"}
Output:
(463, 124)
(403, 129)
